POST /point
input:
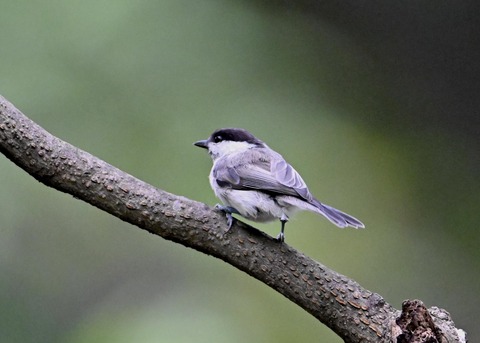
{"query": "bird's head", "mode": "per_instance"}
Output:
(227, 141)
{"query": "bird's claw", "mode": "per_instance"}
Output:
(228, 213)
(229, 220)
(281, 237)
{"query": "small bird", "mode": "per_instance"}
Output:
(257, 183)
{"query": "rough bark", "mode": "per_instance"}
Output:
(354, 313)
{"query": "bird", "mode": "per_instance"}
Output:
(257, 183)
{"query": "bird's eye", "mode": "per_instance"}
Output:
(217, 138)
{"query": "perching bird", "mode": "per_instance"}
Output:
(256, 182)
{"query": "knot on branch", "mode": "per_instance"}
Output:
(417, 324)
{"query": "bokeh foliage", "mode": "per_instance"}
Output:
(135, 83)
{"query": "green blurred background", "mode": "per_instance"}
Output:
(376, 105)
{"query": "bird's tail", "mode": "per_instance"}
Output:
(337, 217)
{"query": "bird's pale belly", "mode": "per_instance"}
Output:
(253, 205)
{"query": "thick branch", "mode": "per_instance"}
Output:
(354, 313)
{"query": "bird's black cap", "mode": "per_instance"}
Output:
(232, 135)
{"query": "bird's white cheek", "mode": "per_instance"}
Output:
(226, 148)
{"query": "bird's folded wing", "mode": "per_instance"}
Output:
(287, 176)
(276, 176)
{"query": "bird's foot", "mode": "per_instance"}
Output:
(281, 235)
(228, 213)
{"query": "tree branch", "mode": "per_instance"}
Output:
(354, 313)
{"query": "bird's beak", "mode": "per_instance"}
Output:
(201, 144)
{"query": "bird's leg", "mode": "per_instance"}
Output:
(281, 235)
(228, 212)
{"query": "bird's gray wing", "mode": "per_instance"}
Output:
(273, 175)
(289, 177)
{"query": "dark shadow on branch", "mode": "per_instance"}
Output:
(354, 313)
